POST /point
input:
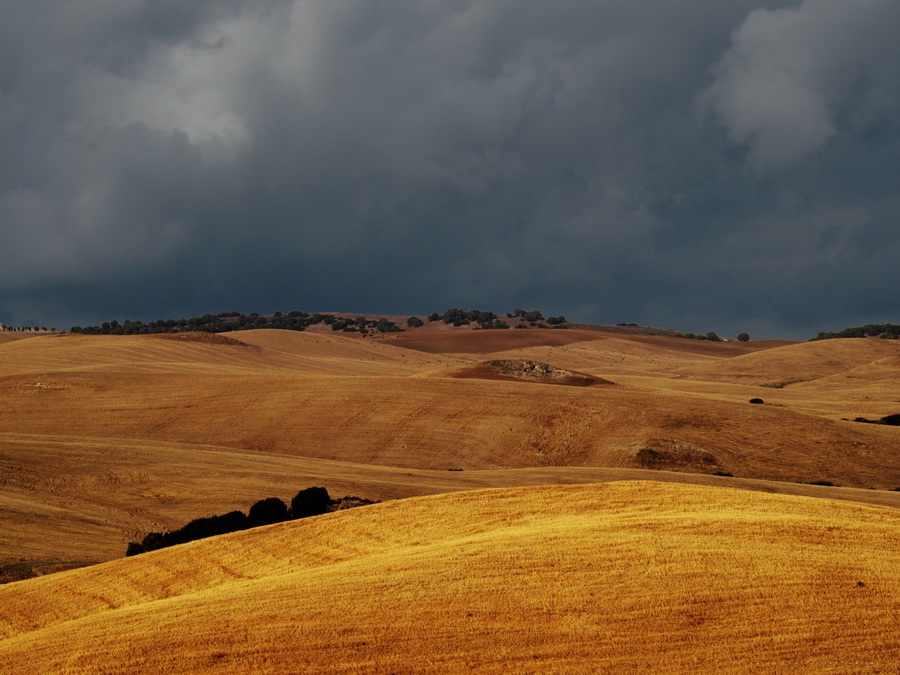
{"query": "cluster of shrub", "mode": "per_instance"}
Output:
(890, 420)
(491, 321)
(312, 501)
(886, 331)
(225, 322)
(712, 337)
(25, 329)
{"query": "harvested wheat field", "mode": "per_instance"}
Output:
(622, 576)
(104, 438)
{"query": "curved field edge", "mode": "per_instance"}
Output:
(621, 576)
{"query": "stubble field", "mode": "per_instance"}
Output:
(105, 438)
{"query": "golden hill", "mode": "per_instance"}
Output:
(619, 577)
(103, 438)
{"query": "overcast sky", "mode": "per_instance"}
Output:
(691, 164)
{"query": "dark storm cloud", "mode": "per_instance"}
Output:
(727, 166)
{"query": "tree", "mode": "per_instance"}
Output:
(712, 337)
(267, 511)
(743, 337)
(311, 501)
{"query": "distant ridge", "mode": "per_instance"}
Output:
(25, 329)
(887, 331)
(367, 324)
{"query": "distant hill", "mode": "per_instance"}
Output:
(349, 322)
(887, 331)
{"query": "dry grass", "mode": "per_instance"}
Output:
(68, 502)
(621, 577)
(105, 438)
(371, 401)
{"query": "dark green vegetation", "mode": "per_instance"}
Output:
(887, 331)
(25, 329)
(312, 501)
(225, 322)
(461, 317)
(890, 420)
(711, 336)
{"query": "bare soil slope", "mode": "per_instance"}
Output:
(621, 577)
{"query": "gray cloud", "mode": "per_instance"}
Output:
(795, 77)
(726, 168)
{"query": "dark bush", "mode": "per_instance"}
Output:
(743, 337)
(267, 512)
(414, 322)
(201, 528)
(311, 501)
(757, 401)
(153, 541)
(890, 420)
(134, 548)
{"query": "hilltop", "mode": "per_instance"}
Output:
(364, 325)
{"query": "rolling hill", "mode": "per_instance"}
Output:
(103, 438)
(623, 576)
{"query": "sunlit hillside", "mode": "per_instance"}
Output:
(619, 577)
(104, 438)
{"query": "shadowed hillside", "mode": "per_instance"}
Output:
(372, 401)
(623, 576)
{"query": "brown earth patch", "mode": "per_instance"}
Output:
(675, 456)
(528, 371)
